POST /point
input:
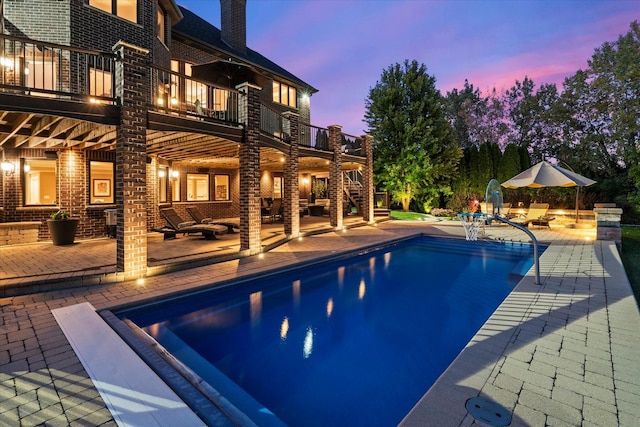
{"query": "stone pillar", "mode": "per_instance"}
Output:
(335, 177)
(250, 218)
(291, 190)
(367, 180)
(131, 160)
(608, 222)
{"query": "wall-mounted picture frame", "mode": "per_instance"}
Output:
(277, 187)
(102, 188)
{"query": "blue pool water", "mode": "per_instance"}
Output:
(354, 342)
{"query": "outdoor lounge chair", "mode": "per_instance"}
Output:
(537, 215)
(178, 225)
(199, 218)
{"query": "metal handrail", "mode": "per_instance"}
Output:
(46, 69)
(536, 257)
(178, 93)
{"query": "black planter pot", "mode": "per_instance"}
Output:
(63, 232)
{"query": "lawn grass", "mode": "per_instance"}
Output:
(631, 257)
(409, 216)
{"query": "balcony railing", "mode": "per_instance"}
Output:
(274, 123)
(180, 94)
(314, 137)
(43, 69)
(352, 145)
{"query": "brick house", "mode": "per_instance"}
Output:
(135, 105)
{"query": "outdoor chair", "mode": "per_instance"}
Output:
(198, 217)
(275, 211)
(178, 225)
(537, 215)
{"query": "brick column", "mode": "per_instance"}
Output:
(131, 160)
(250, 218)
(72, 181)
(367, 180)
(335, 177)
(608, 222)
(291, 190)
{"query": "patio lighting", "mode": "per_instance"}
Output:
(174, 101)
(161, 173)
(7, 63)
(7, 167)
(140, 281)
(175, 174)
(160, 101)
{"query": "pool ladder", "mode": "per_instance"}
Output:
(536, 257)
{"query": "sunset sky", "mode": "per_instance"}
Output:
(341, 47)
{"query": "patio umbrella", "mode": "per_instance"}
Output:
(544, 174)
(228, 73)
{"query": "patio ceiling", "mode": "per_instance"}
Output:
(32, 130)
(45, 131)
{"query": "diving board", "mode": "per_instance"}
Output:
(132, 391)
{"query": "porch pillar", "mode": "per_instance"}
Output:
(335, 177)
(291, 190)
(250, 218)
(367, 180)
(131, 87)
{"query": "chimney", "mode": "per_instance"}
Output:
(234, 24)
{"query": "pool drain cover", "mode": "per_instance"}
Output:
(488, 412)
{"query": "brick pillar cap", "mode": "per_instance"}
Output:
(290, 113)
(247, 84)
(122, 44)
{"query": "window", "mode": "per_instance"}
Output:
(39, 181)
(195, 92)
(101, 176)
(285, 94)
(221, 183)
(161, 33)
(163, 176)
(127, 9)
(197, 186)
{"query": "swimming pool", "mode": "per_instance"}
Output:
(352, 342)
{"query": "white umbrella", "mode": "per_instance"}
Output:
(544, 174)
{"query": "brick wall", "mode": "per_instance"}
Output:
(52, 23)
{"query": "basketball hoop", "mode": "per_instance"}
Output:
(472, 224)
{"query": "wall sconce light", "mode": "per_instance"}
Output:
(174, 102)
(161, 173)
(175, 174)
(305, 181)
(7, 167)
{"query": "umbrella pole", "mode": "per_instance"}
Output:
(577, 205)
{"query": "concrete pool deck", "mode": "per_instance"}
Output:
(563, 353)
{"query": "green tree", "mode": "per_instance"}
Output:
(415, 151)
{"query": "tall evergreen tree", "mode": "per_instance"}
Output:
(415, 151)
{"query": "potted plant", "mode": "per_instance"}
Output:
(62, 228)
